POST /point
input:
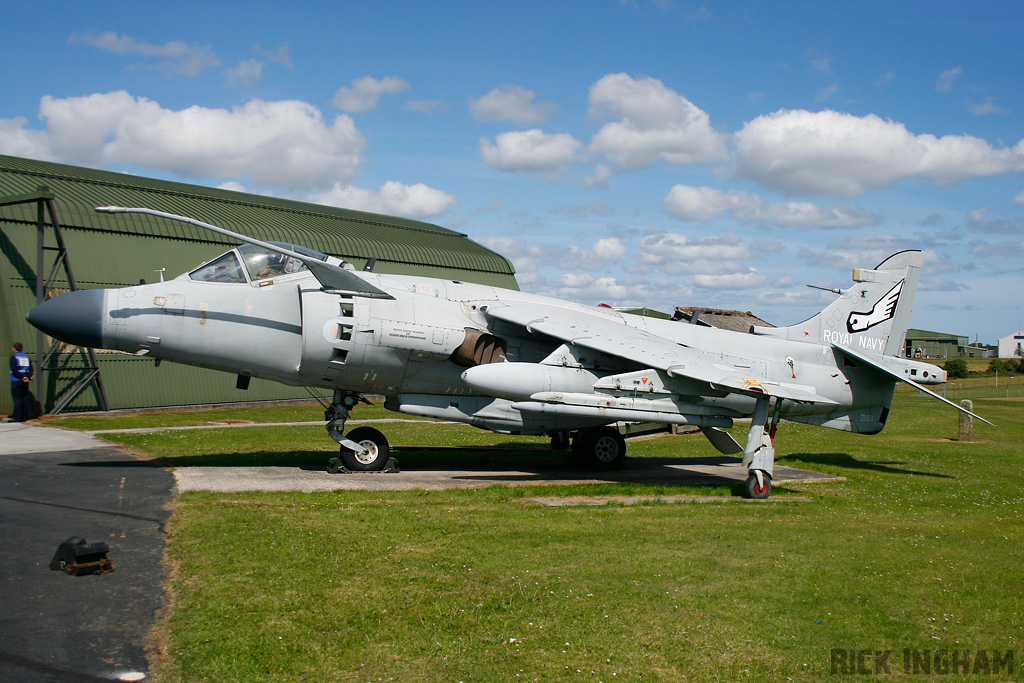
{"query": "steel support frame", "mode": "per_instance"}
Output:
(44, 201)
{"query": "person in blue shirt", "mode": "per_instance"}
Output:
(21, 375)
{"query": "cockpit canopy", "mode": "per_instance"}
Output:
(256, 262)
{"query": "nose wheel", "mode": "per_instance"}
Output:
(373, 454)
(364, 449)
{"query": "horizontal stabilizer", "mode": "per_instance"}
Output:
(867, 360)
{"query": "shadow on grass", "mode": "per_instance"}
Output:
(846, 461)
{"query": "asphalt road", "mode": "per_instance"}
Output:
(55, 627)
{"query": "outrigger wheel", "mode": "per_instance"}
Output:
(758, 487)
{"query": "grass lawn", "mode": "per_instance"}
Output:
(919, 549)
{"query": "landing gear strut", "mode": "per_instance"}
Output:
(759, 453)
(365, 449)
(560, 441)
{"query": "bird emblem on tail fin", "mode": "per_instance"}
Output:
(883, 310)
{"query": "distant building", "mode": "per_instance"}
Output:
(1012, 345)
(926, 344)
(738, 321)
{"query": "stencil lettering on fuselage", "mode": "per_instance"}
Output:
(876, 344)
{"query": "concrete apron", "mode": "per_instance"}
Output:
(654, 470)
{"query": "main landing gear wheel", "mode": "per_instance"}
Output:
(376, 445)
(758, 490)
(602, 448)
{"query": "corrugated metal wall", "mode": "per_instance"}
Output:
(123, 249)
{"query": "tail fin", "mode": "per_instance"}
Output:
(872, 316)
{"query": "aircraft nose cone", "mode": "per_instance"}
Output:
(75, 317)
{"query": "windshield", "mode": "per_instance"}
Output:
(223, 269)
(263, 263)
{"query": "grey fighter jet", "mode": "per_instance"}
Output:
(508, 361)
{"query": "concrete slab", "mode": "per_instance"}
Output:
(21, 438)
(439, 476)
(55, 627)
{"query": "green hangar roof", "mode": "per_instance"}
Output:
(400, 245)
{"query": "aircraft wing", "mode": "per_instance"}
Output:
(609, 335)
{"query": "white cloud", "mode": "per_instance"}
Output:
(1018, 201)
(676, 254)
(603, 254)
(748, 280)
(281, 55)
(174, 57)
(613, 291)
(987, 107)
(873, 249)
(979, 221)
(827, 93)
(510, 103)
(609, 249)
(887, 78)
(819, 62)
(601, 177)
(767, 246)
(18, 141)
(233, 185)
(595, 207)
(701, 204)
(868, 252)
(247, 73)
(938, 284)
(432, 107)
(531, 151)
(704, 204)
(828, 152)
(393, 198)
(527, 259)
(947, 78)
(655, 123)
(1012, 249)
(283, 144)
(366, 92)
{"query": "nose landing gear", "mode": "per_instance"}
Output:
(365, 449)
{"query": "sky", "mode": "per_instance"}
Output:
(653, 153)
